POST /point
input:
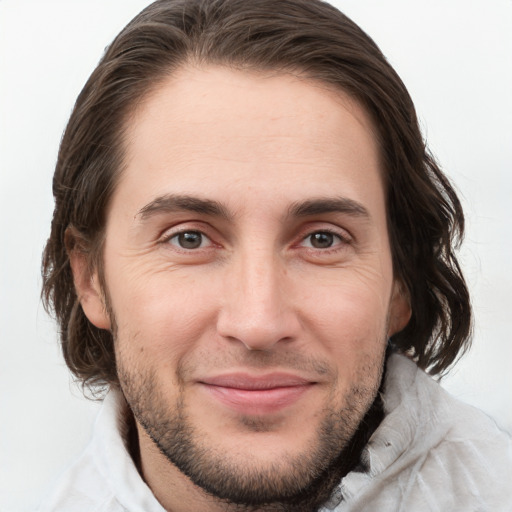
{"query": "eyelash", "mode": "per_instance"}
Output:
(343, 240)
(168, 239)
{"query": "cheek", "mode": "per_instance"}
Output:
(161, 315)
(349, 312)
(352, 326)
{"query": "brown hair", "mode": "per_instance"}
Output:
(307, 36)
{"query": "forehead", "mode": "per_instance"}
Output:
(221, 132)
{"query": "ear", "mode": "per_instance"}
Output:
(87, 284)
(399, 309)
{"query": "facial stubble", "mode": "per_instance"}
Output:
(299, 481)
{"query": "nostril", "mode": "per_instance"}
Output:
(258, 333)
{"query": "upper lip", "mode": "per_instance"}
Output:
(256, 382)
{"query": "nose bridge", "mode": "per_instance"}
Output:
(259, 277)
(255, 311)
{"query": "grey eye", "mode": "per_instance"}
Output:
(189, 240)
(322, 239)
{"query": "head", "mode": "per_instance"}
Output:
(243, 195)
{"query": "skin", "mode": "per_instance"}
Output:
(292, 276)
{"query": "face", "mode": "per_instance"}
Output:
(248, 268)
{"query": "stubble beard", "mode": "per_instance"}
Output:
(299, 482)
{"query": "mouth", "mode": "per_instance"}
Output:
(257, 395)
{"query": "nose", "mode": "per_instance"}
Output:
(257, 310)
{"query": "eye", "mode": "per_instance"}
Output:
(322, 240)
(190, 240)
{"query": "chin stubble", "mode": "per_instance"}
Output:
(296, 482)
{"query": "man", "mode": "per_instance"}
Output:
(252, 250)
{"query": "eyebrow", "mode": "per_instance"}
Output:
(170, 203)
(328, 205)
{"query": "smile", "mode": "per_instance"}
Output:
(257, 395)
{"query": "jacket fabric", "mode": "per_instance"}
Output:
(431, 453)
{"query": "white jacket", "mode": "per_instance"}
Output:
(431, 453)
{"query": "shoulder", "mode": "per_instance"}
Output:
(81, 489)
(104, 478)
(437, 418)
(433, 452)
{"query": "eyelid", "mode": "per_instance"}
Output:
(340, 249)
(318, 227)
(185, 227)
(204, 239)
(309, 235)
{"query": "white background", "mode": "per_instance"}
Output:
(455, 56)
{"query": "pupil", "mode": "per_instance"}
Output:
(190, 240)
(322, 240)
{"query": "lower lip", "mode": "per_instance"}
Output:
(260, 401)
